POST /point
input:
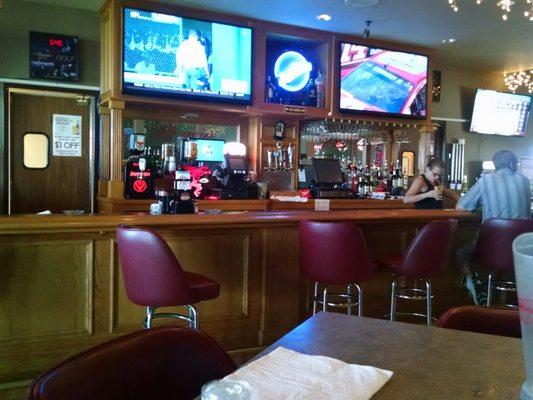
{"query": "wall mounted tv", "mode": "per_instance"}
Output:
(172, 56)
(383, 82)
(498, 113)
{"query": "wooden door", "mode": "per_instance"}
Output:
(67, 182)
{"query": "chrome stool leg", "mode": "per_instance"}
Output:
(489, 291)
(325, 300)
(429, 318)
(147, 323)
(193, 317)
(349, 297)
(315, 297)
(393, 300)
(359, 300)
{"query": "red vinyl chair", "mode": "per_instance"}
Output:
(154, 278)
(494, 321)
(335, 253)
(424, 260)
(161, 363)
(494, 251)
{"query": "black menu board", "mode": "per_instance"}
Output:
(53, 56)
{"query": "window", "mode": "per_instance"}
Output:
(35, 151)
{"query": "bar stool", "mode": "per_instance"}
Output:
(494, 252)
(335, 253)
(493, 321)
(423, 260)
(154, 278)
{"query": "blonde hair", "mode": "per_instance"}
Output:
(435, 163)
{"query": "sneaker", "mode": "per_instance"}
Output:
(468, 282)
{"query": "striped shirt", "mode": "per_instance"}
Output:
(502, 194)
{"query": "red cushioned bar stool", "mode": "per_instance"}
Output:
(423, 260)
(494, 252)
(335, 253)
(490, 320)
(153, 277)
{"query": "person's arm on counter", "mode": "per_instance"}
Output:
(451, 194)
(414, 194)
(471, 199)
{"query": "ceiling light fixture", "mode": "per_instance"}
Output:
(366, 31)
(450, 40)
(504, 5)
(517, 79)
(324, 17)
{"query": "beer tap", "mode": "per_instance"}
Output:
(270, 158)
(290, 155)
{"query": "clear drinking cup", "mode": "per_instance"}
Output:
(226, 390)
(523, 265)
(439, 189)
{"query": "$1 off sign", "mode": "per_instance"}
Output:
(66, 135)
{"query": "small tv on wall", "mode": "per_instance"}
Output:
(499, 113)
(384, 82)
(53, 56)
(172, 56)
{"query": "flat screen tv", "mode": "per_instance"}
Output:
(375, 81)
(498, 113)
(172, 56)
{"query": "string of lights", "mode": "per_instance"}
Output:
(504, 5)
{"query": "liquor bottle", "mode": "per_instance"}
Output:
(311, 93)
(182, 202)
(405, 181)
(270, 91)
(320, 95)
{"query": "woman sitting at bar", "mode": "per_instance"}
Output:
(427, 191)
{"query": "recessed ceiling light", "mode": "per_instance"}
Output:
(324, 17)
(450, 40)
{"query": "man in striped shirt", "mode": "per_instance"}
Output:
(502, 194)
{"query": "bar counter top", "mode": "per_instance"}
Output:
(18, 223)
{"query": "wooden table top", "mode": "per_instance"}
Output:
(429, 363)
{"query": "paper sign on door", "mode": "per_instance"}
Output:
(66, 135)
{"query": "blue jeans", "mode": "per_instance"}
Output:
(474, 278)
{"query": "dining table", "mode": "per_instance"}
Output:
(427, 362)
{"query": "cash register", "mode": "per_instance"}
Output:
(328, 182)
(235, 174)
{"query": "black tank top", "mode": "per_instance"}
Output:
(429, 203)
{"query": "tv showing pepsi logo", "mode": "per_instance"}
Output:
(172, 56)
(377, 81)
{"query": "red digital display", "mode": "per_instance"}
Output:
(55, 42)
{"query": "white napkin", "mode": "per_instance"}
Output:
(286, 374)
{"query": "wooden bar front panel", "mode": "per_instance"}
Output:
(61, 288)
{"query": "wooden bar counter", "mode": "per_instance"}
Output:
(61, 289)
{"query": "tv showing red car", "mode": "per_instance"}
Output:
(383, 82)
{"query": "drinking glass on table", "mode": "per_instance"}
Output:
(226, 390)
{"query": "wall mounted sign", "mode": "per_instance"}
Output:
(66, 135)
(53, 56)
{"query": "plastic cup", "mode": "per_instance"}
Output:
(523, 265)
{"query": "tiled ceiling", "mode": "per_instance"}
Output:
(483, 39)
